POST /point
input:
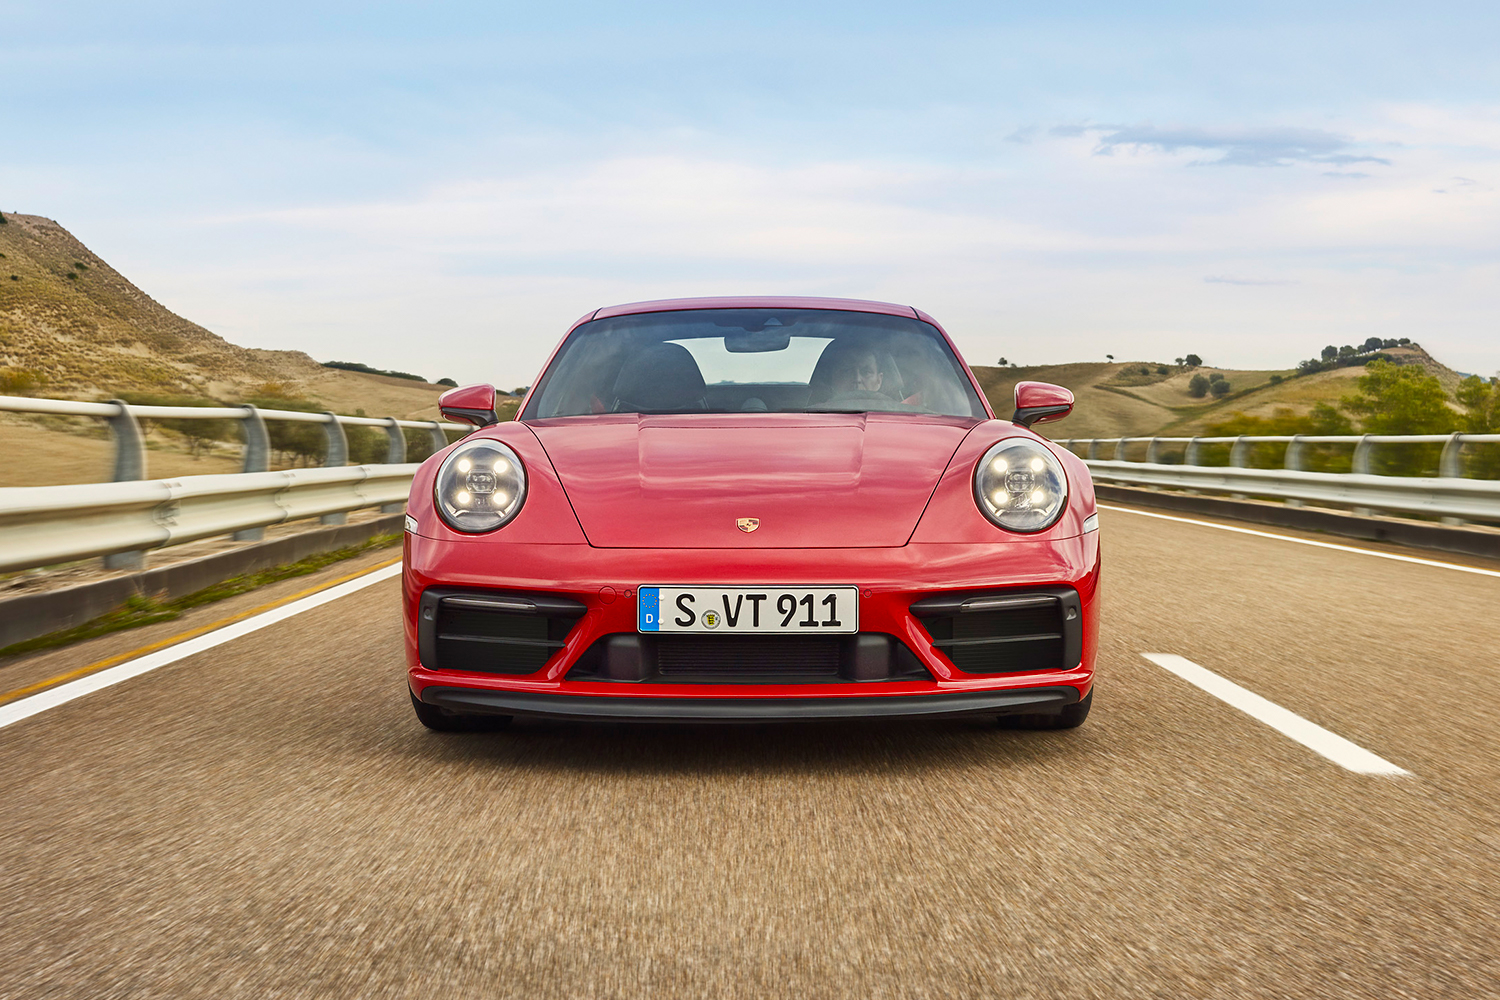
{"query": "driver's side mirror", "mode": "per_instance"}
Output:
(1040, 401)
(470, 404)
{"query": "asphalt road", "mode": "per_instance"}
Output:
(267, 819)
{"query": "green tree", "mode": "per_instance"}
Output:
(367, 445)
(1330, 352)
(293, 441)
(1192, 361)
(1198, 386)
(199, 435)
(1481, 398)
(1401, 399)
(1219, 388)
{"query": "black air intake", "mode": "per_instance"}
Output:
(1006, 632)
(492, 632)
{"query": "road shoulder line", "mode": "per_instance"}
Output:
(63, 693)
(1308, 541)
(1342, 752)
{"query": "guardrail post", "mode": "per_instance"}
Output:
(130, 464)
(439, 439)
(395, 454)
(1093, 448)
(1120, 449)
(1237, 459)
(1293, 461)
(1360, 465)
(1294, 454)
(1153, 451)
(257, 459)
(1451, 466)
(1190, 456)
(337, 455)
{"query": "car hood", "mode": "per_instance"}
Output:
(808, 480)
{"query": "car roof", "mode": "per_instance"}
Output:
(755, 302)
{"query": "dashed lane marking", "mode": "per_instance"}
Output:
(111, 671)
(1311, 735)
(1308, 541)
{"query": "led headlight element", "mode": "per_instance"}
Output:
(480, 486)
(1020, 486)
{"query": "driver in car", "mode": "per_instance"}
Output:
(856, 368)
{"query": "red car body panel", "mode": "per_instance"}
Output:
(813, 479)
(880, 501)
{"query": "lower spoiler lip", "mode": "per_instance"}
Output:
(1039, 700)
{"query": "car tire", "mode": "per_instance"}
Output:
(1071, 717)
(441, 720)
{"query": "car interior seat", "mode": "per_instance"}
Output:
(662, 377)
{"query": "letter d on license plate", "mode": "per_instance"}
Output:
(725, 610)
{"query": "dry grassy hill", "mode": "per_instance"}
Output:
(83, 331)
(1117, 399)
(72, 327)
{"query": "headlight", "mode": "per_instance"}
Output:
(1020, 486)
(480, 486)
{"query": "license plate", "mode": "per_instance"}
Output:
(762, 610)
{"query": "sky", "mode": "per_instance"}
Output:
(445, 188)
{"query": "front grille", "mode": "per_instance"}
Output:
(748, 659)
(492, 632)
(1006, 632)
(692, 655)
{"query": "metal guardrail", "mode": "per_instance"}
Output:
(1450, 465)
(1449, 496)
(46, 525)
(113, 511)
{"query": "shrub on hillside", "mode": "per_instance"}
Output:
(1198, 386)
(1219, 387)
(20, 381)
(1323, 420)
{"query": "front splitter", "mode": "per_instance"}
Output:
(1042, 700)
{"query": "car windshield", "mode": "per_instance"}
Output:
(754, 361)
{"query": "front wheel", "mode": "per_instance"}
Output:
(443, 721)
(1071, 717)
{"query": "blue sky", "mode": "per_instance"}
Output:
(444, 189)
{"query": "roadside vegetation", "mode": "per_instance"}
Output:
(140, 610)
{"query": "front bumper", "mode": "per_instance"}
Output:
(602, 582)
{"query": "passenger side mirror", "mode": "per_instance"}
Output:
(470, 404)
(1040, 401)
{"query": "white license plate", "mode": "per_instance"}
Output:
(762, 610)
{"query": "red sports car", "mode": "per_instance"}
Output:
(752, 509)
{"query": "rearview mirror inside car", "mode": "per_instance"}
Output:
(757, 341)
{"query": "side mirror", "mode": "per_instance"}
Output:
(1040, 401)
(471, 404)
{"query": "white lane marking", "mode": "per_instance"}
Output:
(1309, 734)
(1308, 541)
(64, 693)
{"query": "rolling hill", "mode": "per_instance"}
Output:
(1119, 400)
(79, 329)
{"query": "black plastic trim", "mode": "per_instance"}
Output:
(1038, 700)
(544, 605)
(1071, 608)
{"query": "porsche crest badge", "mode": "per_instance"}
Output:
(748, 523)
